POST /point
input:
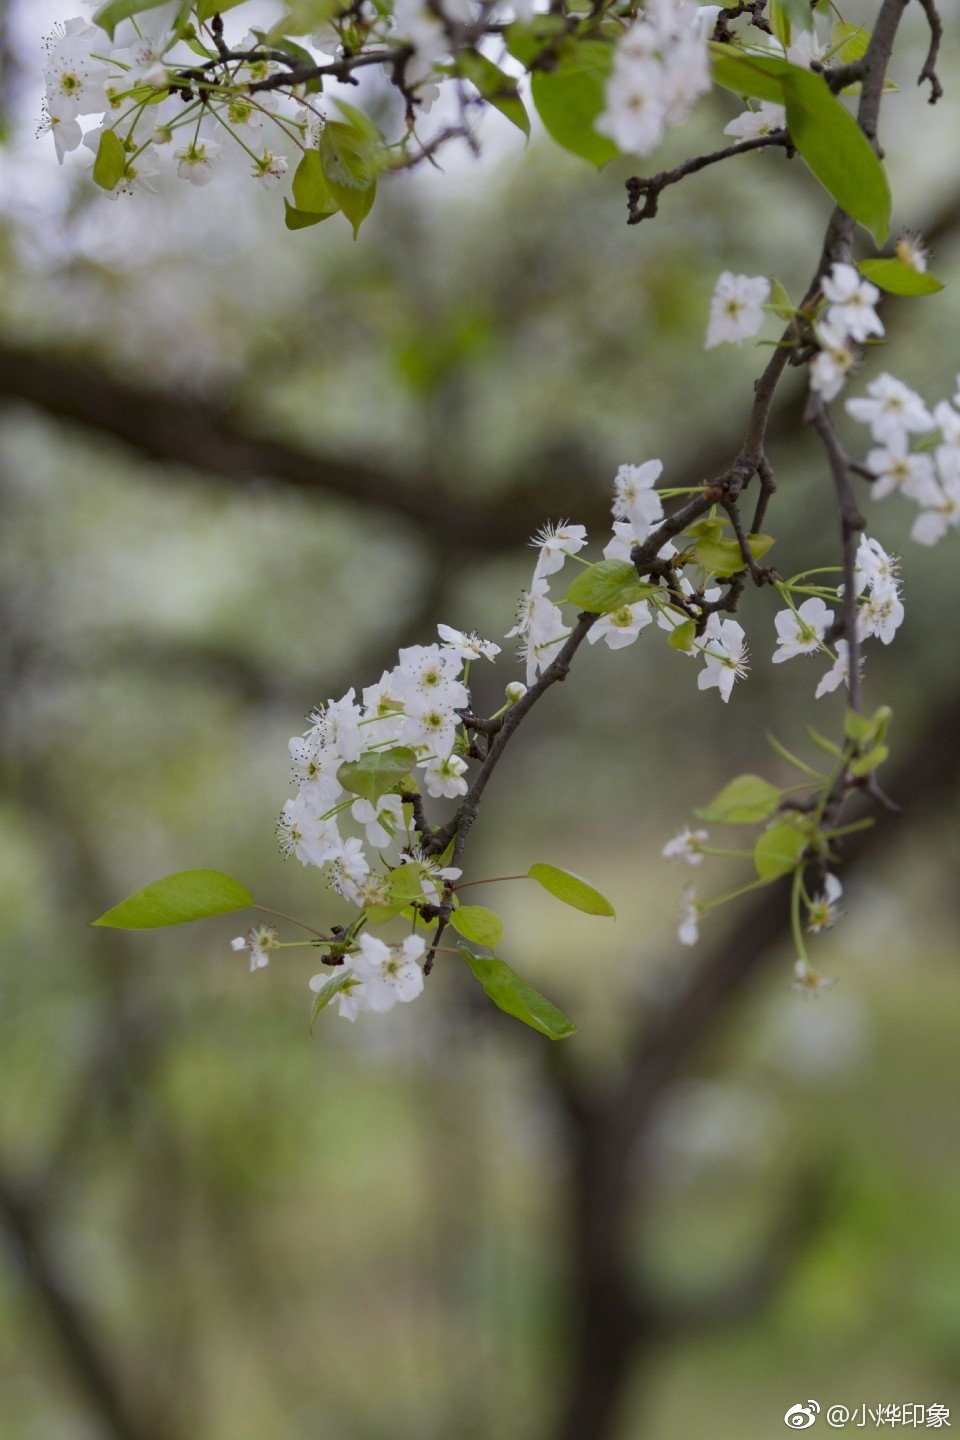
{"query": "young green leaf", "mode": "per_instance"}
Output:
(837, 151)
(111, 161)
(743, 801)
(498, 89)
(848, 43)
(779, 849)
(720, 557)
(867, 763)
(301, 219)
(108, 17)
(899, 279)
(177, 899)
(683, 636)
(780, 302)
(606, 586)
(527, 39)
(311, 193)
(206, 9)
(822, 743)
(475, 922)
(335, 986)
(377, 771)
(571, 96)
(571, 889)
(749, 73)
(515, 997)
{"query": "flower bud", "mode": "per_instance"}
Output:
(515, 691)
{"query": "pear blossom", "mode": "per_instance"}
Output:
(807, 981)
(381, 820)
(301, 832)
(259, 941)
(348, 869)
(351, 997)
(555, 543)
(753, 124)
(388, 973)
(688, 931)
(892, 410)
(896, 468)
(873, 567)
(881, 614)
(634, 116)
(832, 363)
(634, 498)
(621, 627)
(686, 846)
(910, 251)
(269, 169)
(314, 768)
(725, 653)
(198, 161)
(932, 524)
(444, 778)
(467, 647)
(736, 309)
(800, 631)
(852, 300)
(824, 908)
(839, 672)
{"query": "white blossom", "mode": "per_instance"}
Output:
(852, 300)
(800, 631)
(688, 931)
(736, 309)
(725, 653)
(259, 941)
(686, 846)
(839, 672)
(892, 411)
(753, 124)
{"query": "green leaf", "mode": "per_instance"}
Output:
(352, 154)
(111, 161)
(188, 895)
(335, 986)
(301, 219)
(779, 849)
(848, 43)
(780, 22)
(475, 922)
(108, 17)
(498, 89)
(743, 801)
(515, 997)
(570, 97)
(571, 889)
(206, 9)
(748, 73)
(377, 771)
(303, 17)
(682, 638)
(604, 587)
(404, 884)
(759, 544)
(526, 40)
(723, 558)
(837, 151)
(780, 302)
(899, 279)
(311, 193)
(822, 743)
(867, 763)
(797, 14)
(791, 759)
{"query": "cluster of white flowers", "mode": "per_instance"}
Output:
(802, 629)
(376, 976)
(87, 73)
(660, 69)
(848, 317)
(894, 413)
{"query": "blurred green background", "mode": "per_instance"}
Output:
(217, 1226)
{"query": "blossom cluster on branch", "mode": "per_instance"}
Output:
(605, 81)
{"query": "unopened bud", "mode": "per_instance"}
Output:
(515, 691)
